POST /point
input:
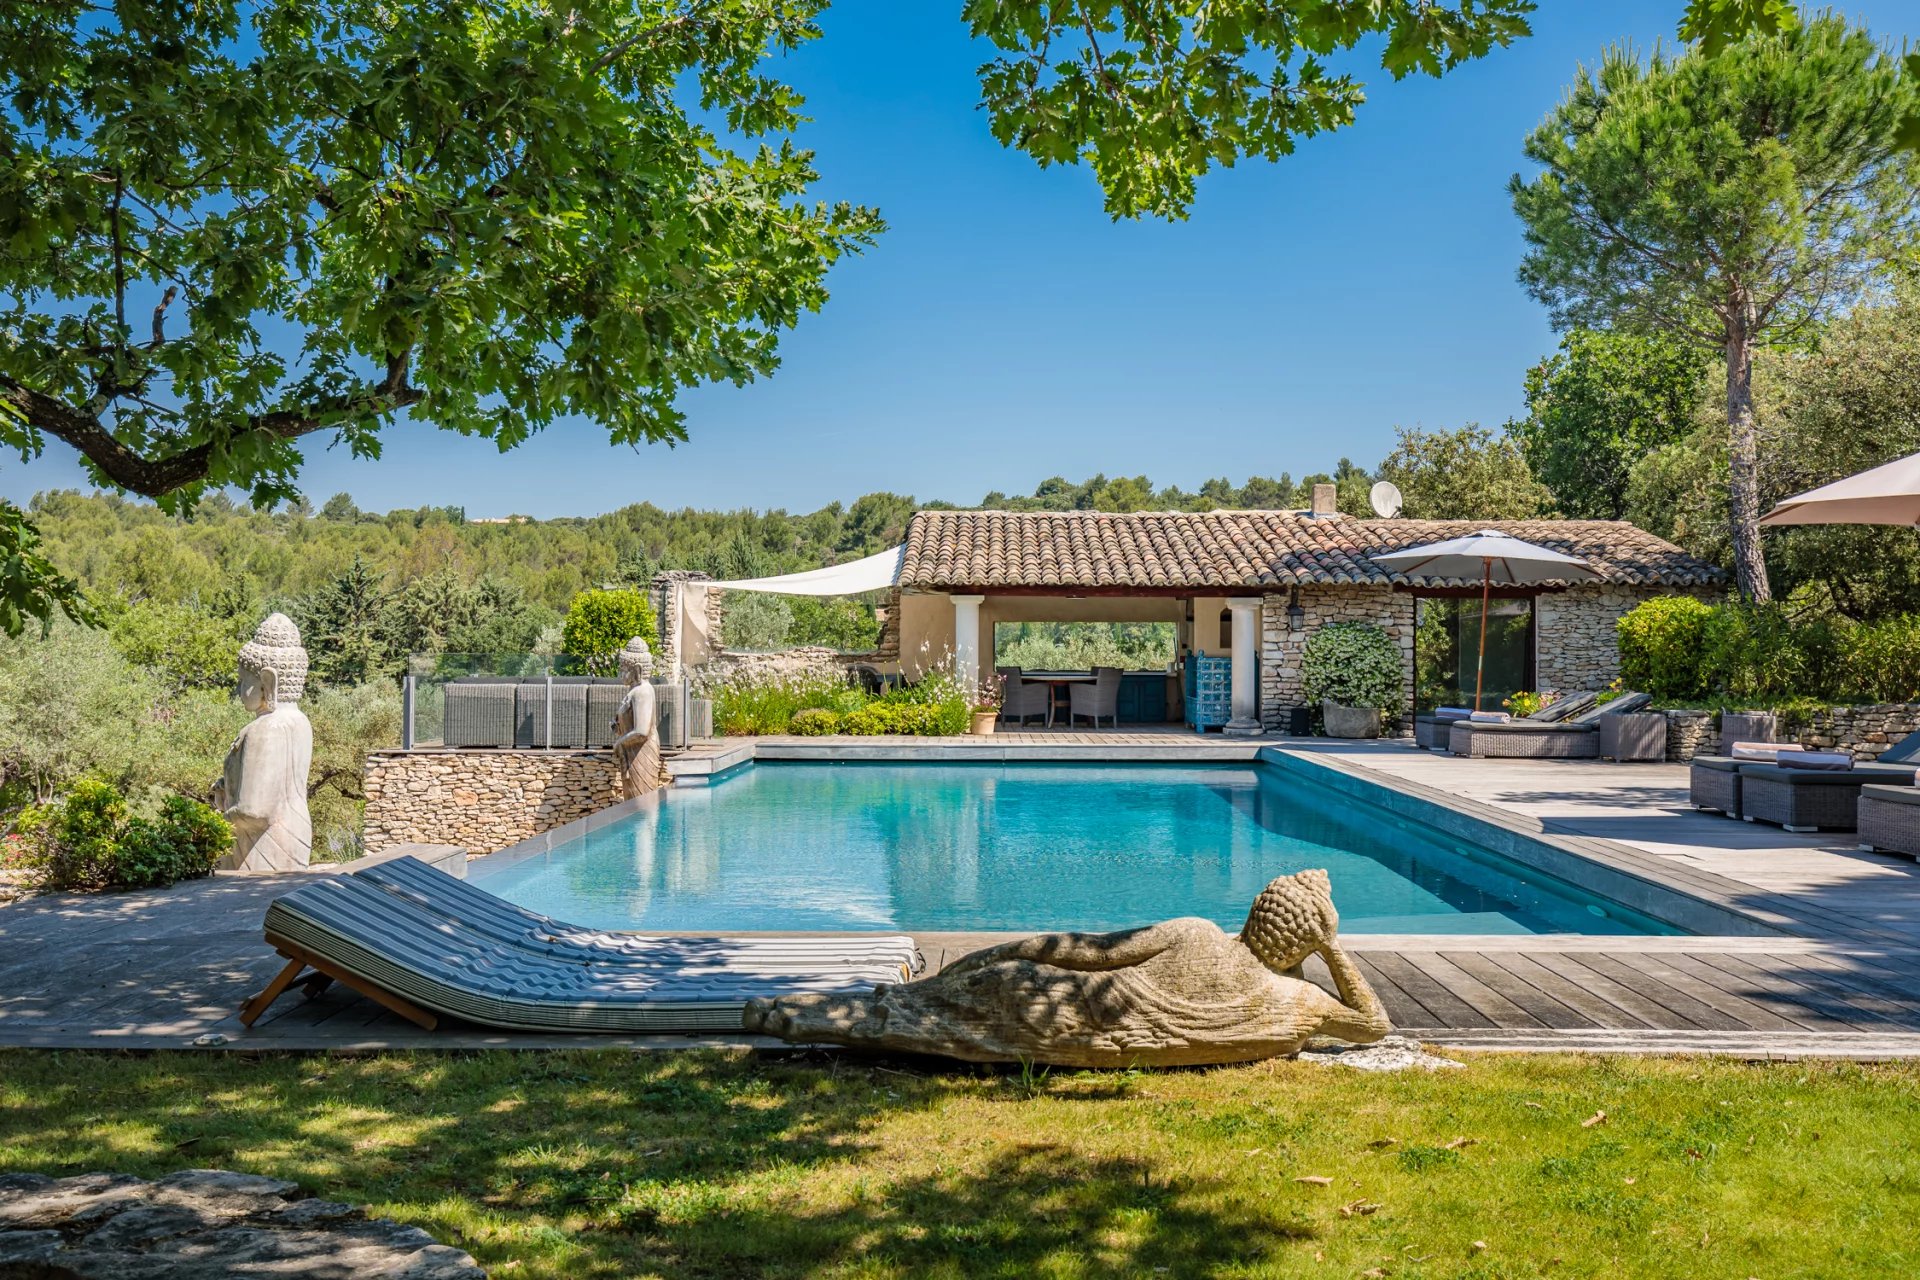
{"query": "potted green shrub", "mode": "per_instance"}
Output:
(1353, 670)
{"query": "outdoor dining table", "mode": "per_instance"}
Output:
(1058, 685)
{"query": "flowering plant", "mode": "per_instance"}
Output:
(1523, 704)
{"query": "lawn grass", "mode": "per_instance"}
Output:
(611, 1163)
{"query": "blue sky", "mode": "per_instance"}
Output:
(1005, 330)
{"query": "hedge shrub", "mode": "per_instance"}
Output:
(814, 722)
(88, 839)
(1662, 646)
(1354, 664)
(1681, 650)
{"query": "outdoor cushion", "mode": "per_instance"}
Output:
(1490, 717)
(1725, 764)
(1829, 760)
(389, 942)
(1457, 713)
(495, 917)
(1858, 775)
(1892, 793)
(1761, 750)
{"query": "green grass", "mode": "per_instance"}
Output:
(707, 1165)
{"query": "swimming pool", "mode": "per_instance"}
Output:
(977, 847)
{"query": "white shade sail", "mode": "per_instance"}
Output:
(1489, 556)
(1887, 494)
(876, 572)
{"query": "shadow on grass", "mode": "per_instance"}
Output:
(610, 1164)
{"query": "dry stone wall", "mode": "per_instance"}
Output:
(1862, 732)
(1576, 633)
(482, 800)
(1280, 645)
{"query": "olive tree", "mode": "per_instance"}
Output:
(1732, 200)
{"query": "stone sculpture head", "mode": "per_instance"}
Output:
(1292, 917)
(636, 662)
(273, 666)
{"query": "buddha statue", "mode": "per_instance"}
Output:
(636, 741)
(1179, 993)
(263, 789)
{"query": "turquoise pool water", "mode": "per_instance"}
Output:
(1026, 847)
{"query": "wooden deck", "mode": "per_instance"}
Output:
(1842, 977)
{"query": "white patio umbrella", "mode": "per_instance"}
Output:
(1888, 494)
(1486, 555)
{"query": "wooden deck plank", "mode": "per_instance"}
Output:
(1583, 1000)
(1707, 1007)
(1537, 1003)
(1637, 1000)
(1401, 1007)
(1433, 994)
(1488, 1003)
(1749, 996)
(1816, 1001)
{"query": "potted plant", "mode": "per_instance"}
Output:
(1353, 670)
(986, 704)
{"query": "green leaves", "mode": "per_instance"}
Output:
(30, 586)
(1717, 23)
(1151, 94)
(226, 226)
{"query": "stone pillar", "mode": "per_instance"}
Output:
(1246, 662)
(966, 639)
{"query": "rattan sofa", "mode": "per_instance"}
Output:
(1888, 817)
(1577, 739)
(1432, 733)
(1810, 799)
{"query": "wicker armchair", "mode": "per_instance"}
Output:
(1100, 698)
(1022, 699)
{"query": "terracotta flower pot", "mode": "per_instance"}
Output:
(1350, 722)
(984, 721)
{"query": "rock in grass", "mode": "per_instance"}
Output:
(205, 1224)
(1393, 1053)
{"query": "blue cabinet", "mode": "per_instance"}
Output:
(1143, 698)
(1209, 690)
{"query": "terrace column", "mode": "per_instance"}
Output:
(966, 639)
(1246, 667)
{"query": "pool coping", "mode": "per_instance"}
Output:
(1701, 903)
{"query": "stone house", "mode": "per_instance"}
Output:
(1258, 584)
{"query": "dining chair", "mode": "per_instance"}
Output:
(1099, 698)
(1023, 699)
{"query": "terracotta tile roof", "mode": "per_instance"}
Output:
(1239, 549)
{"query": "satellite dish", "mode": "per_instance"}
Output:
(1385, 499)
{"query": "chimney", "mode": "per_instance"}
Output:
(1325, 500)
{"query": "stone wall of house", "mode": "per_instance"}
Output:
(1576, 643)
(482, 800)
(1281, 645)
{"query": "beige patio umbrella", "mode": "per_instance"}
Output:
(1887, 494)
(1486, 555)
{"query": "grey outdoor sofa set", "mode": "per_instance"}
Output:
(489, 711)
(1803, 799)
(428, 945)
(1576, 738)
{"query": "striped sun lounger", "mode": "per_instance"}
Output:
(502, 921)
(424, 965)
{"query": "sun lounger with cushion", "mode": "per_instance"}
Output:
(425, 966)
(1431, 731)
(1808, 799)
(494, 917)
(1578, 738)
(1713, 782)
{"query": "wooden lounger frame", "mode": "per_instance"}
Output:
(325, 974)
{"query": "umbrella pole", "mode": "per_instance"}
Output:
(1480, 663)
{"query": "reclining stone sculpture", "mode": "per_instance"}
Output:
(1179, 993)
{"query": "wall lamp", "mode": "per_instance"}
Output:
(1296, 616)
